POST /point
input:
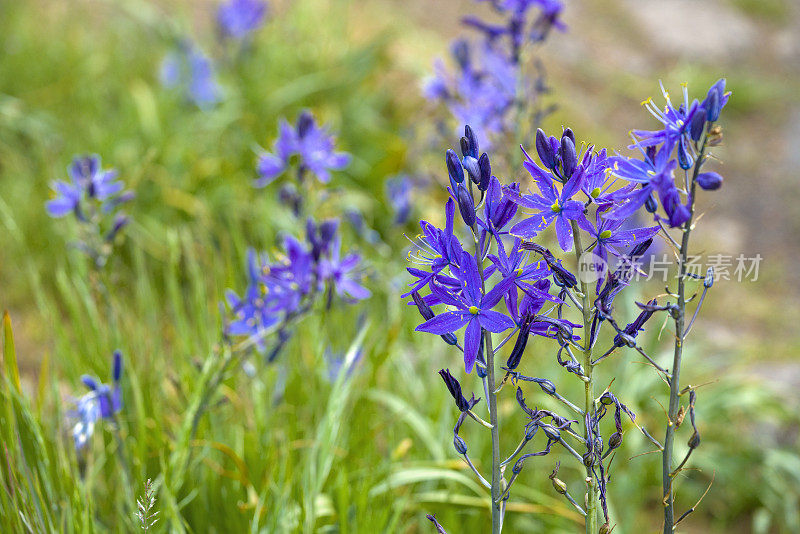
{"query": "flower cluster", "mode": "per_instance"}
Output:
(237, 19)
(311, 144)
(190, 70)
(280, 292)
(491, 78)
(93, 196)
(591, 199)
(101, 402)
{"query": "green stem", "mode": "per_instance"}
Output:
(498, 482)
(675, 380)
(592, 493)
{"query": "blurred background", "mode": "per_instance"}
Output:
(83, 77)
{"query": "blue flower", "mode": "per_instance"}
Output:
(87, 182)
(238, 18)
(313, 145)
(472, 308)
(343, 274)
(551, 205)
(190, 70)
(398, 194)
(437, 249)
(101, 402)
(609, 234)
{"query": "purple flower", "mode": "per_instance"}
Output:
(398, 194)
(313, 146)
(515, 265)
(343, 274)
(676, 121)
(610, 235)
(436, 249)
(550, 205)
(473, 309)
(238, 18)
(190, 70)
(101, 402)
(87, 182)
(654, 173)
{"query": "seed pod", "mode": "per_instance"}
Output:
(551, 432)
(459, 444)
(694, 441)
(614, 441)
(547, 386)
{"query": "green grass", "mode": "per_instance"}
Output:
(284, 449)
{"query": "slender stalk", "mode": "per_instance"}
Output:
(675, 379)
(491, 400)
(592, 493)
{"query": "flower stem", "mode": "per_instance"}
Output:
(498, 482)
(675, 379)
(592, 485)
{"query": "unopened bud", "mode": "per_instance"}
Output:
(485, 172)
(545, 150)
(466, 206)
(709, 180)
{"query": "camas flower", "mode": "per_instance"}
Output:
(398, 194)
(313, 146)
(101, 402)
(472, 308)
(88, 181)
(437, 249)
(609, 234)
(281, 291)
(191, 71)
(551, 205)
(238, 18)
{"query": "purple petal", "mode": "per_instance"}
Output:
(445, 323)
(472, 342)
(495, 321)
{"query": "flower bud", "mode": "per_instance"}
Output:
(569, 133)
(569, 159)
(454, 168)
(485, 172)
(709, 180)
(545, 150)
(697, 124)
(459, 444)
(117, 366)
(304, 123)
(466, 205)
(713, 102)
(472, 142)
(650, 204)
(460, 52)
(473, 171)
